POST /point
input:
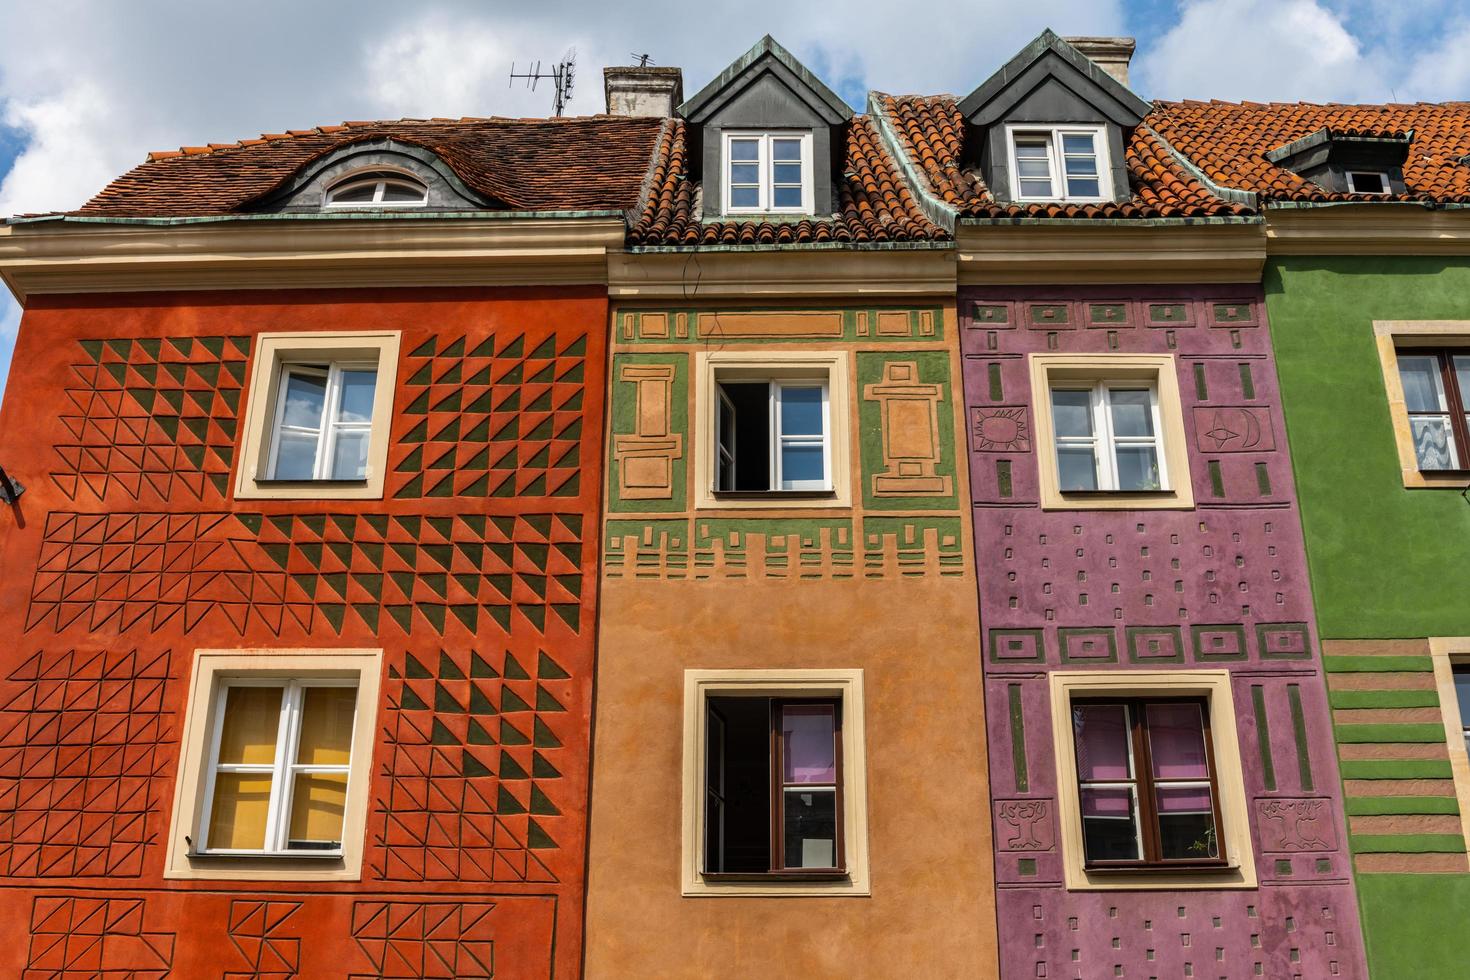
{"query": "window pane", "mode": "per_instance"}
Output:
(1461, 364)
(786, 197)
(349, 460)
(1076, 468)
(1176, 741)
(802, 464)
(326, 726)
(305, 396)
(1077, 143)
(744, 173)
(1110, 824)
(801, 411)
(238, 813)
(1071, 412)
(1138, 468)
(248, 733)
(399, 192)
(296, 456)
(1081, 166)
(1035, 188)
(1434, 442)
(1082, 187)
(811, 828)
(1186, 823)
(1030, 149)
(1132, 410)
(745, 197)
(808, 740)
(1368, 183)
(1462, 693)
(358, 388)
(361, 194)
(787, 173)
(786, 149)
(1102, 736)
(317, 805)
(1423, 391)
(744, 149)
(1033, 168)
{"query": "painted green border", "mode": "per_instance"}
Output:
(934, 368)
(624, 406)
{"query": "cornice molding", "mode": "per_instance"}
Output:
(1090, 252)
(62, 257)
(1367, 229)
(788, 272)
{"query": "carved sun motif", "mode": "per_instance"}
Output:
(1001, 430)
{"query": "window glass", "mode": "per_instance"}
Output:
(1079, 160)
(378, 187)
(1071, 412)
(766, 173)
(1423, 391)
(801, 411)
(1462, 694)
(239, 811)
(761, 451)
(318, 804)
(358, 388)
(324, 424)
(1103, 749)
(1430, 421)
(809, 755)
(1033, 167)
(252, 717)
(1132, 411)
(1367, 182)
(811, 827)
(305, 396)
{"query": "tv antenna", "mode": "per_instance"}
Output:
(563, 74)
(644, 60)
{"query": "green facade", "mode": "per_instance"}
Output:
(1389, 570)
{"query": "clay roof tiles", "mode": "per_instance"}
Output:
(1229, 141)
(874, 204)
(931, 130)
(574, 164)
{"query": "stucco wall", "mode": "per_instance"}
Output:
(1222, 585)
(476, 575)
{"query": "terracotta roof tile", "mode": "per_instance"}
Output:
(587, 163)
(931, 132)
(1229, 141)
(874, 204)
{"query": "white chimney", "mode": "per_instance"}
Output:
(643, 90)
(1111, 54)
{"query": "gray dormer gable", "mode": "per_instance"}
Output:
(307, 189)
(1325, 158)
(766, 89)
(1050, 81)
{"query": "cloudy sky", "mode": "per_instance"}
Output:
(88, 87)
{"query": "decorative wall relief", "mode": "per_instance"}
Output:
(912, 453)
(1000, 430)
(256, 931)
(73, 938)
(1233, 429)
(644, 460)
(146, 418)
(1024, 825)
(1296, 825)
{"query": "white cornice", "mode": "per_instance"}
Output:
(1093, 252)
(66, 257)
(1367, 229)
(789, 272)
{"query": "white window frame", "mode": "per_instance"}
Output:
(282, 770)
(776, 440)
(1381, 175)
(1103, 442)
(766, 169)
(381, 177)
(1056, 161)
(330, 425)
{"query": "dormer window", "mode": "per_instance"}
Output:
(1367, 182)
(378, 189)
(1058, 163)
(768, 173)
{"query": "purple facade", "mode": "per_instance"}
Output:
(1223, 585)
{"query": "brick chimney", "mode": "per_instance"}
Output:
(1111, 54)
(643, 90)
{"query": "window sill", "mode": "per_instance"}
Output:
(757, 877)
(774, 494)
(1086, 494)
(1179, 867)
(281, 856)
(309, 483)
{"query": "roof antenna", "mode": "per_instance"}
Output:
(563, 75)
(644, 60)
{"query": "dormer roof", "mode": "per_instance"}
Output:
(766, 58)
(1051, 57)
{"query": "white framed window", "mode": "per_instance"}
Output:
(317, 416)
(1058, 163)
(773, 434)
(280, 763)
(1367, 182)
(378, 189)
(767, 173)
(323, 421)
(1108, 436)
(275, 762)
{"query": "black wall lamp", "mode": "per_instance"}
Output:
(10, 488)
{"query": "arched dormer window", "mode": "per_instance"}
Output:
(378, 189)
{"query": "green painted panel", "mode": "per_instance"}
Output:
(1376, 665)
(1384, 699)
(1396, 769)
(1380, 555)
(1414, 925)
(1407, 843)
(810, 548)
(895, 325)
(1018, 740)
(1371, 806)
(1263, 736)
(934, 367)
(625, 423)
(1390, 733)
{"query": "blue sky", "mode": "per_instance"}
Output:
(88, 87)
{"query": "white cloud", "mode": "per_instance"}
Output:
(1443, 68)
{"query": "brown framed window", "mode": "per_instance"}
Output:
(1435, 382)
(1146, 782)
(773, 787)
